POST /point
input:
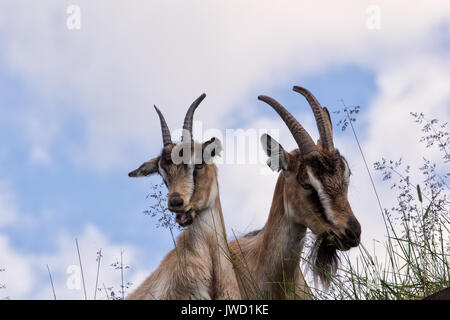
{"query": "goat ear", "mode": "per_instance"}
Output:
(278, 159)
(210, 149)
(146, 169)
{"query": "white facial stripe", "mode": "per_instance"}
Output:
(323, 196)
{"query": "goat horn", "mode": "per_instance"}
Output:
(187, 126)
(164, 128)
(301, 136)
(325, 129)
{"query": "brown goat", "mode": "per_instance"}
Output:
(311, 192)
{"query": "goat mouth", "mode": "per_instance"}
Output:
(343, 245)
(184, 218)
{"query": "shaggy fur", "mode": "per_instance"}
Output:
(324, 260)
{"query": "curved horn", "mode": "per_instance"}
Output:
(301, 136)
(325, 131)
(187, 126)
(164, 128)
(329, 120)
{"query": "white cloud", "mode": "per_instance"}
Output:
(25, 275)
(127, 57)
(417, 84)
(8, 210)
(90, 241)
(17, 275)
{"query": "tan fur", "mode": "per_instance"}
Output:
(200, 266)
(268, 263)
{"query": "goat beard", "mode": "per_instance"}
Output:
(324, 260)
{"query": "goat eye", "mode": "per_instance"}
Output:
(199, 166)
(307, 186)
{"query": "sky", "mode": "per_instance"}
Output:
(78, 80)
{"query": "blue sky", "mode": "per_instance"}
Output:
(76, 195)
(77, 116)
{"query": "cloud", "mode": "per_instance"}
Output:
(127, 57)
(25, 274)
(417, 84)
(17, 275)
(8, 210)
(11, 261)
(64, 265)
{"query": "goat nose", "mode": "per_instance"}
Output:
(353, 232)
(176, 202)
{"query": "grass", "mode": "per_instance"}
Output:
(413, 260)
(415, 265)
